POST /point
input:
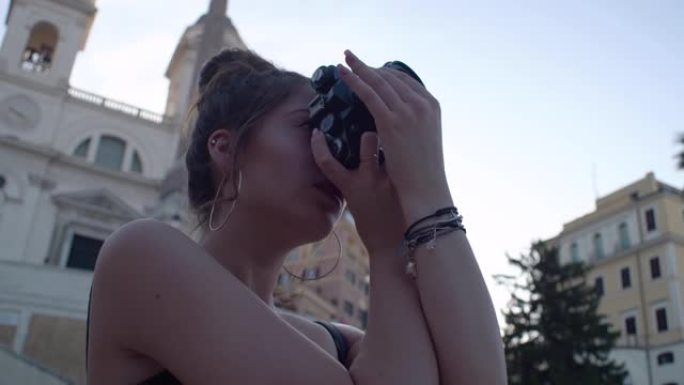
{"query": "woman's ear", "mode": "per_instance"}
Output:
(220, 147)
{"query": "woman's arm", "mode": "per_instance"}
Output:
(456, 303)
(397, 348)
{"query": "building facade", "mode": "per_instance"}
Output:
(634, 243)
(75, 166)
(337, 288)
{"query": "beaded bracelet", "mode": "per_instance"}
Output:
(428, 235)
(411, 268)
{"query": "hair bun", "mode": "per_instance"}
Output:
(233, 60)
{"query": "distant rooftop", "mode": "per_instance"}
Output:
(624, 196)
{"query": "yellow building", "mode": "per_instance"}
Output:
(343, 294)
(634, 243)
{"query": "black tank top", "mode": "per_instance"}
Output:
(166, 378)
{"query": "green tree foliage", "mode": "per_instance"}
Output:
(554, 335)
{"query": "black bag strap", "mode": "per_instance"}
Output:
(340, 341)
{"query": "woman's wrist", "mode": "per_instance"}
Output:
(426, 202)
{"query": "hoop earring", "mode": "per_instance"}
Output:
(331, 270)
(213, 204)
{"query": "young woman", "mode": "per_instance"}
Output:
(168, 310)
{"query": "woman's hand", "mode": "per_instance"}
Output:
(412, 182)
(369, 193)
(408, 121)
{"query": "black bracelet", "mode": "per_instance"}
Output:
(437, 213)
(426, 234)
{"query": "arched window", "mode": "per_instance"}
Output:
(40, 48)
(110, 152)
(574, 252)
(624, 236)
(598, 246)
(82, 149)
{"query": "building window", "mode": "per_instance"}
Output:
(309, 273)
(136, 163)
(630, 326)
(655, 267)
(366, 288)
(110, 152)
(349, 308)
(598, 246)
(661, 319)
(650, 220)
(626, 278)
(334, 301)
(665, 358)
(81, 150)
(351, 276)
(574, 252)
(624, 236)
(598, 286)
(40, 48)
(83, 252)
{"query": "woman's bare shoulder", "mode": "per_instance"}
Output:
(140, 232)
(144, 240)
(167, 299)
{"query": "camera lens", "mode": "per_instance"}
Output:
(399, 66)
(324, 78)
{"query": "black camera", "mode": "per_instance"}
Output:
(341, 116)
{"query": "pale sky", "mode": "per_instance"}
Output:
(544, 104)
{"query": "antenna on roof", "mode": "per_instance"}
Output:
(594, 180)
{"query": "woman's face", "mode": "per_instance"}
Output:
(279, 172)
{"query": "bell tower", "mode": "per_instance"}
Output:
(43, 38)
(212, 32)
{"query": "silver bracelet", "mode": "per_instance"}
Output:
(428, 234)
(411, 267)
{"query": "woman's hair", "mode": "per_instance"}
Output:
(237, 88)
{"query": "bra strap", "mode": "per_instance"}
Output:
(340, 341)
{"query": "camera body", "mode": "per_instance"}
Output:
(341, 115)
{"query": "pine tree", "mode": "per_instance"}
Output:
(554, 335)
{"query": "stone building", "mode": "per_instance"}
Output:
(342, 291)
(75, 166)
